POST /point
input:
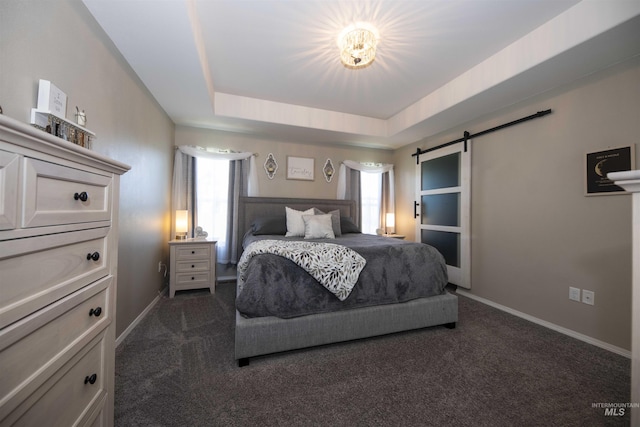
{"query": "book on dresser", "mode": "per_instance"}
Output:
(58, 269)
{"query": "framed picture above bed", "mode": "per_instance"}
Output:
(599, 163)
(300, 168)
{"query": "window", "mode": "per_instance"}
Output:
(212, 200)
(371, 199)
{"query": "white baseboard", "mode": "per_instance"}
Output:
(552, 326)
(138, 319)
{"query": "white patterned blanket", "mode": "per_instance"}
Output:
(335, 267)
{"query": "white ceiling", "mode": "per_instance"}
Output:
(272, 68)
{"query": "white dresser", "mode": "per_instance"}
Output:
(58, 265)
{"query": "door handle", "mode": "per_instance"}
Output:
(415, 209)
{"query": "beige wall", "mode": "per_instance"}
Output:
(60, 41)
(280, 186)
(533, 232)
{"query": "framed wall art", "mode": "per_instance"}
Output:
(300, 168)
(599, 163)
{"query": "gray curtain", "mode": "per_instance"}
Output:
(238, 187)
(183, 189)
(352, 192)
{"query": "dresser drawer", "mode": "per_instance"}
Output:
(40, 344)
(100, 419)
(9, 163)
(40, 270)
(55, 195)
(185, 252)
(69, 396)
(193, 266)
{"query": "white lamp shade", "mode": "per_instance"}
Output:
(391, 220)
(182, 221)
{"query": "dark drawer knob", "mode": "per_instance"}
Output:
(94, 256)
(83, 197)
(193, 278)
(90, 379)
(193, 252)
(95, 311)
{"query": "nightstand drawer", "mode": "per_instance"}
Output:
(193, 252)
(193, 266)
(193, 279)
(55, 194)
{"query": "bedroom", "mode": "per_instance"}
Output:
(528, 183)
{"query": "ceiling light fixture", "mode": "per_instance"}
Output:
(357, 45)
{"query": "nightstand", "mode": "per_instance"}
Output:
(395, 236)
(193, 265)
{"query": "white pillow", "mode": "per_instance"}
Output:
(295, 224)
(318, 227)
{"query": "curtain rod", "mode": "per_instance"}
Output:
(468, 136)
(177, 147)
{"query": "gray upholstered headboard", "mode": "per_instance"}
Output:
(253, 207)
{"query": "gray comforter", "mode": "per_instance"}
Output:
(396, 271)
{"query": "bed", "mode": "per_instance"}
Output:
(261, 329)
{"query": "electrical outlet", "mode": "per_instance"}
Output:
(574, 294)
(588, 297)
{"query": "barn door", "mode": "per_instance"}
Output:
(443, 207)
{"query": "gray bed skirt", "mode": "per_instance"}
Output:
(266, 335)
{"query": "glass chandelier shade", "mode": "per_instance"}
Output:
(357, 47)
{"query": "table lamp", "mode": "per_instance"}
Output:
(182, 224)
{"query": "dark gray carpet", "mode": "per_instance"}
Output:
(177, 369)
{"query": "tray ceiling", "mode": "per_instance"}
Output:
(272, 67)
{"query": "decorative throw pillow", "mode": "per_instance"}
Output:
(335, 220)
(269, 225)
(295, 224)
(318, 227)
(348, 226)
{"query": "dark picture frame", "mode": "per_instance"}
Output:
(599, 163)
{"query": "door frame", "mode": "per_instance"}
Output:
(460, 276)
